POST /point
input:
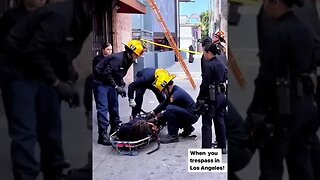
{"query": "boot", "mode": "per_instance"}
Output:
(104, 139)
(169, 139)
(187, 131)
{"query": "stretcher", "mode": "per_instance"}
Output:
(131, 148)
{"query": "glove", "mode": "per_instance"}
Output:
(68, 93)
(132, 103)
(121, 91)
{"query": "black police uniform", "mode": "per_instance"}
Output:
(144, 80)
(282, 129)
(180, 111)
(40, 50)
(109, 74)
(214, 74)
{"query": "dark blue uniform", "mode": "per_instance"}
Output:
(144, 80)
(180, 110)
(214, 73)
(108, 74)
(40, 50)
(285, 53)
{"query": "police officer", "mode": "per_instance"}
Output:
(211, 100)
(282, 114)
(108, 84)
(40, 50)
(144, 80)
(180, 109)
(106, 50)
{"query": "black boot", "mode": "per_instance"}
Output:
(187, 131)
(169, 139)
(104, 139)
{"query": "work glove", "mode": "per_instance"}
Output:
(121, 91)
(132, 103)
(68, 93)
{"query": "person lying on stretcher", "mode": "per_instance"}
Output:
(138, 128)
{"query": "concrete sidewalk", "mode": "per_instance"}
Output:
(170, 161)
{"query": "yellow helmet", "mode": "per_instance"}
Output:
(137, 46)
(163, 80)
(160, 72)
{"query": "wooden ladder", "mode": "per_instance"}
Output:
(172, 43)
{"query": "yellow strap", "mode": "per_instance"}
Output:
(162, 45)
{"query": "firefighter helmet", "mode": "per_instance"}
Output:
(160, 72)
(137, 46)
(220, 35)
(163, 80)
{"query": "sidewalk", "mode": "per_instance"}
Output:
(170, 161)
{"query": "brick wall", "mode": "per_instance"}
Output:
(122, 28)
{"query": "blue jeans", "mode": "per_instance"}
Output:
(106, 98)
(33, 112)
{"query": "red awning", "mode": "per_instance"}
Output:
(131, 6)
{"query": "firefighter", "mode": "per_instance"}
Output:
(211, 101)
(180, 109)
(108, 84)
(283, 114)
(144, 80)
(40, 50)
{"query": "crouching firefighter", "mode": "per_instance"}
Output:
(144, 80)
(283, 114)
(180, 109)
(212, 101)
(108, 84)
